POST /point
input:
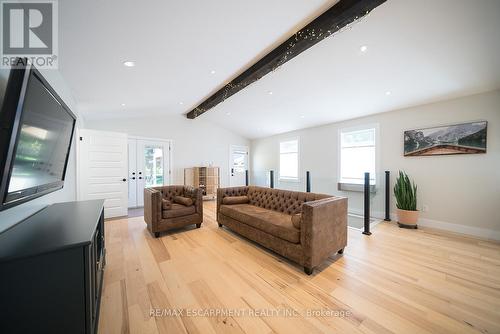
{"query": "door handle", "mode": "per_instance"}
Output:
(232, 171)
(124, 179)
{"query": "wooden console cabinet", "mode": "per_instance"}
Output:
(206, 178)
(51, 270)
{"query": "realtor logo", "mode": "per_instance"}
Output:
(29, 30)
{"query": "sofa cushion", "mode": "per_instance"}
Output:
(166, 204)
(186, 201)
(296, 219)
(275, 223)
(230, 200)
(178, 210)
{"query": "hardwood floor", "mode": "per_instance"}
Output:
(396, 281)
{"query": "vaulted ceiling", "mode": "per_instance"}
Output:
(415, 52)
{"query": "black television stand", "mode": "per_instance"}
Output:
(51, 270)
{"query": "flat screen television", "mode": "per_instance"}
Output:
(35, 138)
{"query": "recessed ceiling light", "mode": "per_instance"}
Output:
(123, 104)
(129, 63)
(302, 116)
(363, 48)
(181, 103)
(388, 93)
(212, 72)
(228, 114)
(270, 92)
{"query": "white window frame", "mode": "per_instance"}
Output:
(350, 186)
(285, 178)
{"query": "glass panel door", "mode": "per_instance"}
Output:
(153, 165)
(153, 168)
(238, 165)
(132, 173)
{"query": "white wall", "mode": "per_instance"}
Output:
(195, 142)
(462, 192)
(68, 193)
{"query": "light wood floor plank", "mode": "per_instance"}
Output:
(395, 281)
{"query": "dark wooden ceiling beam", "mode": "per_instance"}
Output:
(334, 19)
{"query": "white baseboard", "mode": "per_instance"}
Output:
(483, 233)
(479, 232)
(445, 226)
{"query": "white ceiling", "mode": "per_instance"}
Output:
(175, 44)
(421, 51)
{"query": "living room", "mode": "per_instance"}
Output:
(309, 167)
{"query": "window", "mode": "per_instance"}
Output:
(357, 155)
(289, 160)
(153, 165)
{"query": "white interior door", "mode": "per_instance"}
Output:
(102, 159)
(153, 166)
(238, 164)
(132, 173)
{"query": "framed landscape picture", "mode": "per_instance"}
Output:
(464, 138)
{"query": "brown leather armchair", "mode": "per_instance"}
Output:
(163, 211)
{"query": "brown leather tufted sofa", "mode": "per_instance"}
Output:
(159, 220)
(266, 219)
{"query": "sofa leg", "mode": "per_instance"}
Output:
(198, 225)
(341, 251)
(220, 225)
(157, 234)
(308, 271)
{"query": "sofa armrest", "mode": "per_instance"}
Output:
(323, 229)
(231, 191)
(152, 208)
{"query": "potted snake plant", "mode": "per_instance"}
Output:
(406, 201)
